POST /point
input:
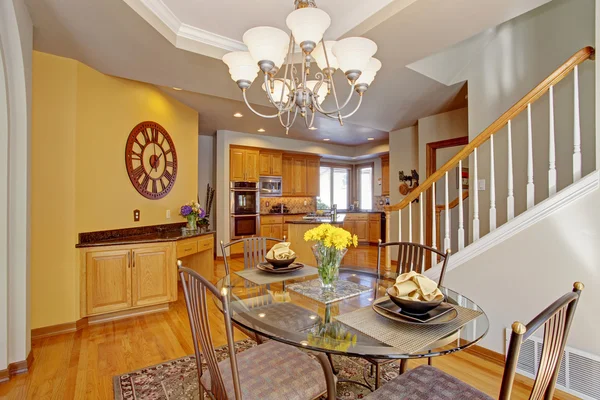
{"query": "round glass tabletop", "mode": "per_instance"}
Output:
(290, 313)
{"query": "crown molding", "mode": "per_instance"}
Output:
(183, 36)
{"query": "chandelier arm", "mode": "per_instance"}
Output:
(339, 109)
(333, 83)
(279, 108)
(312, 119)
(289, 124)
(287, 64)
(360, 98)
(254, 111)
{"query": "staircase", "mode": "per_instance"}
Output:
(409, 212)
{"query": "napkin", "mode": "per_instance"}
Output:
(414, 286)
(281, 251)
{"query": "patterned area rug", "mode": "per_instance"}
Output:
(178, 379)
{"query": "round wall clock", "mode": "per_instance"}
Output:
(151, 160)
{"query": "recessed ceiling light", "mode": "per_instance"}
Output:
(326, 140)
(261, 130)
(370, 138)
(313, 128)
(238, 115)
(177, 88)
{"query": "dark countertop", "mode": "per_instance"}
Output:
(360, 212)
(317, 222)
(148, 234)
(283, 214)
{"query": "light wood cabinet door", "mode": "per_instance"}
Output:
(312, 177)
(287, 176)
(361, 229)
(265, 164)
(349, 226)
(151, 276)
(276, 164)
(265, 230)
(299, 177)
(385, 175)
(251, 165)
(108, 281)
(236, 164)
(374, 230)
(277, 231)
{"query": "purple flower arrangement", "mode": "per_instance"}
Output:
(194, 214)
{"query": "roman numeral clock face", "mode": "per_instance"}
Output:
(151, 160)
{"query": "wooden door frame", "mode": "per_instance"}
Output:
(430, 168)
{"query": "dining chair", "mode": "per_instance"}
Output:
(254, 250)
(411, 257)
(267, 371)
(426, 382)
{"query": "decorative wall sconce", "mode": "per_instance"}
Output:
(412, 179)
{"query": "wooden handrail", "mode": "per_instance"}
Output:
(453, 203)
(558, 75)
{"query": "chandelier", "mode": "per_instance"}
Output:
(289, 88)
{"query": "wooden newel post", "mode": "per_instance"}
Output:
(388, 252)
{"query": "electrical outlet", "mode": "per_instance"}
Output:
(481, 184)
(136, 215)
(305, 202)
(168, 214)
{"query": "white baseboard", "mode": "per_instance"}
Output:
(568, 195)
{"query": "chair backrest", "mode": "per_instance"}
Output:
(556, 320)
(195, 288)
(412, 256)
(255, 249)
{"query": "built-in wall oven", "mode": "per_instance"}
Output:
(244, 209)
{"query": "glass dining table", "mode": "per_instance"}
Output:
(276, 312)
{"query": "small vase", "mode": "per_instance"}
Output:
(192, 222)
(328, 263)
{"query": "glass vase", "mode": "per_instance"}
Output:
(192, 222)
(328, 263)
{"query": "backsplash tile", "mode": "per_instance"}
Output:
(376, 200)
(294, 204)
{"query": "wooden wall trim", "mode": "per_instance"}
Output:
(487, 354)
(16, 368)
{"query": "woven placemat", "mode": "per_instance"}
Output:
(406, 338)
(263, 278)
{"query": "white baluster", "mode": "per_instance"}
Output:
(510, 200)
(576, 128)
(447, 223)
(410, 221)
(475, 198)
(492, 187)
(421, 240)
(433, 225)
(530, 185)
(399, 225)
(551, 149)
(461, 223)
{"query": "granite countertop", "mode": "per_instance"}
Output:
(360, 212)
(146, 234)
(284, 214)
(317, 221)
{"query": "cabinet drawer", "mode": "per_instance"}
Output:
(186, 248)
(271, 219)
(374, 217)
(361, 217)
(293, 218)
(205, 243)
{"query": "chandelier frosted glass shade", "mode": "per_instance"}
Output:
(308, 25)
(369, 73)
(354, 53)
(319, 55)
(278, 86)
(266, 43)
(242, 66)
(322, 93)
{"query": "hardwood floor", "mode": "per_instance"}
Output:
(81, 365)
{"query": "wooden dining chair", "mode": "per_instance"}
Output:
(268, 371)
(426, 382)
(411, 257)
(255, 250)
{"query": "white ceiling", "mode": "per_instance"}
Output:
(124, 39)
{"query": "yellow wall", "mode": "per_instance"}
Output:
(81, 121)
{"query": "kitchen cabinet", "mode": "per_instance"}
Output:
(270, 163)
(243, 164)
(300, 175)
(358, 224)
(288, 218)
(271, 226)
(151, 281)
(374, 228)
(197, 253)
(313, 177)
(385, 175)
(108, 280)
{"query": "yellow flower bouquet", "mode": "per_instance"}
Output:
(331, 247)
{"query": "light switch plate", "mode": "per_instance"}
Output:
(481, 184)
(168, 214)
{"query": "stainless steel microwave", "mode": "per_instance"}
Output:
(270, 186)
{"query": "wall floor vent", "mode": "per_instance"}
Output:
(579, 371)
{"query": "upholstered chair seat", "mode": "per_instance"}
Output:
(274, 371)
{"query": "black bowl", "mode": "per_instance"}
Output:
(280, 263)
(414, 307)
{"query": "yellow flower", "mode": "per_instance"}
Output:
(331, 236)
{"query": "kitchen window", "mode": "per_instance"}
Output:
(364, 178)
(335, 186)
